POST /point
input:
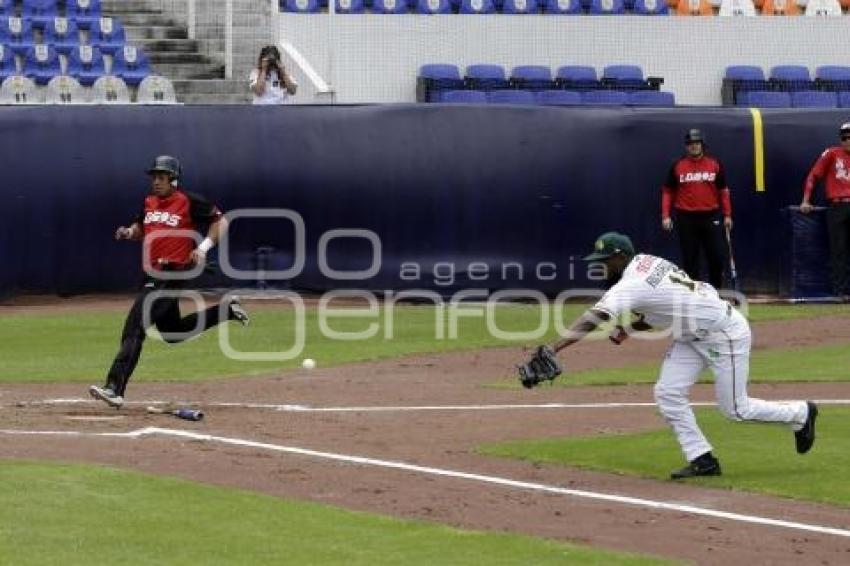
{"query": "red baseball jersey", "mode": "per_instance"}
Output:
(696, 185)
(834, 164)
(181, 210)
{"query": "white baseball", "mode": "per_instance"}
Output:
(308, 363)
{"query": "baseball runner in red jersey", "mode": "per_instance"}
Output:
(696, 189)
(707, 333)
(834, 166)
(167, 209)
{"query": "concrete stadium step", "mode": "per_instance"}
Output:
(140, 33)
(119, 6)
(207, 98)
(223, 86)
(157, 57)
(167, 45)
(177, 71)
(144, 19)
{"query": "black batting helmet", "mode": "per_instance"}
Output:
(844, 130)
(166, 164)
(694, 135)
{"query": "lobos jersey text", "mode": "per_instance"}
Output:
(162, 217)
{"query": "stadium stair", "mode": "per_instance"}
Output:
(195, 66)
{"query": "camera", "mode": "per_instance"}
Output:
(272, 56)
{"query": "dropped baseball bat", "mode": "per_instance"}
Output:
(185, 414)
(733, 271)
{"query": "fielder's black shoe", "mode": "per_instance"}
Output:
(107, 395)
(238, 312)
(705, 465)
(805, 437)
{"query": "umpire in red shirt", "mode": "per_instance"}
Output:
(834, 165)
(696, 190)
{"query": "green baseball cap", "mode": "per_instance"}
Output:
(610, 244)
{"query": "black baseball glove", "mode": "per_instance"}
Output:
(543, 366)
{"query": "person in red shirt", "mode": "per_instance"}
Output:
(834, 165)
(696, 190)
(167, 209)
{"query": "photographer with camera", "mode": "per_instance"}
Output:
(270, 82)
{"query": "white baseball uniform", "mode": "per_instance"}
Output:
(707, 332)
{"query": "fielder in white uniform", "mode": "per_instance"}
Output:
(707, 333)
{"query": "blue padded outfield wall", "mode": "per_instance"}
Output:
(438, 184)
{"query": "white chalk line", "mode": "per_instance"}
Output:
(481, 478)
(411, 408)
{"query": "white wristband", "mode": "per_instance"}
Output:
(206, 245)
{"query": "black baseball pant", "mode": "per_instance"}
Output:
(702, 232)
(164, 313)
(838, 226)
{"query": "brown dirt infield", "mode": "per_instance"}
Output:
(446, 439)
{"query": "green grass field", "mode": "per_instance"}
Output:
(754, 457)
(73, 514)
(68, 514)
(78, 347)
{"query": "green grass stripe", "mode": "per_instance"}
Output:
(804, 364)
(79, 346)
(754, 456)
(74, 514)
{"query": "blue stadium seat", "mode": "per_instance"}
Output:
(486, 77)
(436, 78)
(84, 12)
(62, 34)
(7, 63)
(40, 12)
(520, 7)
(651, 98)
(558, 97)
(476, 7)
(813, 99)
(433, 7)
(16, 33)
(791, 77)
(7, 8)
(532, 77)
(349, 6)
(390, 6)
(42, 64)
(510, 97)
(302, 6)
(604, 98)
(568, 7)
(577, 77)
(86, 64)
(764, 99)
(623, 76)
(833, 77)
(607, 7)
(463, 97)
(844, 99)
(440, 71)
(107, 34)
(651, 8)
(131, 65)
(744, 73)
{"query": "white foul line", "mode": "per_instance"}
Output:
(494, 480)
(417, 408)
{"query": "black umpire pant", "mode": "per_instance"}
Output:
(162, 312)
(838, 225)
(702, 232)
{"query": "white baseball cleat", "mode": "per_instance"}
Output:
(238, 312)
(106, 395)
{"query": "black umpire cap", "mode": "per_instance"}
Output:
(166, 164)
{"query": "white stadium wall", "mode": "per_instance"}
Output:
(375, 58)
